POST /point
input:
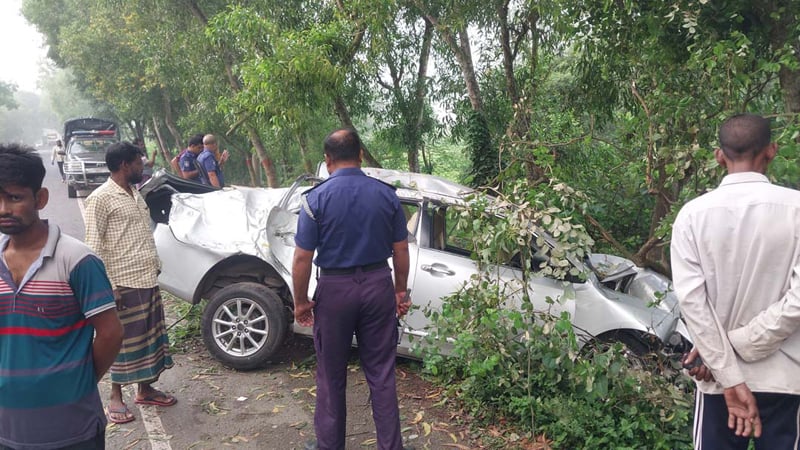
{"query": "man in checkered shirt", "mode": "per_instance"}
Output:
(118, 230)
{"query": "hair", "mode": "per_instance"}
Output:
(120, 152)
(209, 139)
(58, 142)
(21, 166)
(744, 135)
(196, 139)
(343, 145)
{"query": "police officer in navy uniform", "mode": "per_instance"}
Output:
(355, 223)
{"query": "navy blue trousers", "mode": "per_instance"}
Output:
(362, 303)
(780, 421)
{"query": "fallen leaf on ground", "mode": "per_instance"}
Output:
(426, 427)
(418, 417)
(131, 444)
(441, 426)
(434, 394)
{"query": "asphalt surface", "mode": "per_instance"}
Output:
(64, 211)
(269, 408)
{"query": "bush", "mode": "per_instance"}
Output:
(526, 367)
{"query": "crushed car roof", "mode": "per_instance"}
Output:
(414, 185)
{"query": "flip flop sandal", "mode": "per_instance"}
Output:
(124, 410)
(155, 399)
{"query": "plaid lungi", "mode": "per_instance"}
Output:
(145, 348)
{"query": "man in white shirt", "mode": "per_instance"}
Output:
(735, 255)
(57, 156)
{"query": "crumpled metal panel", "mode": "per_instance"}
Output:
(414, 185)
(647, 284)
(214, 220)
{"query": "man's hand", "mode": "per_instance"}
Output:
(403, 303)
(118, 300)
(743, 415)
(695, 367)
(304, 312)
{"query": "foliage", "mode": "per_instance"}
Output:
(510, 359)
(184, 321)
(483, 156)
(7, 95)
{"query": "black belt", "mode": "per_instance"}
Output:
(354, 269)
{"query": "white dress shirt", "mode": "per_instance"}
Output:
(735, 254)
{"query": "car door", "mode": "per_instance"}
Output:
(439, 271)
(444, 266)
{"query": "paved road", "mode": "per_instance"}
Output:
(66, 212)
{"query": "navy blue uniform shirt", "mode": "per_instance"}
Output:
(358, 218)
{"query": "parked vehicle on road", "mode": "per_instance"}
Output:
(85, 141)
(234, 247)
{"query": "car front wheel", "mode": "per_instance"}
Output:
(243, 325)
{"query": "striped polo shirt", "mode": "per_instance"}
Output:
(48, 389)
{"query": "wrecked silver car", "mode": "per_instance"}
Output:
(234, 247)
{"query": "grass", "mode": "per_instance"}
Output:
(183, 323)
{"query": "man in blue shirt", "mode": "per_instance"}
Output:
(187, 163)
(210, 167)
(355, 223)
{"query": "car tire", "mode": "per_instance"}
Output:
(631, 343)
(71, 192)
(635, 346)
(243, 325)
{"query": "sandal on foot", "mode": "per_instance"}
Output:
(157, 398)
(128, 417)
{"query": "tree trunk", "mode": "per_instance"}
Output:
(303, 143)
(464, 58)
(266, 161)
(170, 121)
(461, 49)
(250, 171)
(254, 162)
(508, 54)
(420, 94)
(779, 15)
(161, 144)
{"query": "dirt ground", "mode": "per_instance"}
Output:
(272, 408)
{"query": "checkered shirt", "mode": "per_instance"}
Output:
(118, 230)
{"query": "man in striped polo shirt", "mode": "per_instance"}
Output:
(59, 330)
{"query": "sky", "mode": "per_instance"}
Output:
(21, 48)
